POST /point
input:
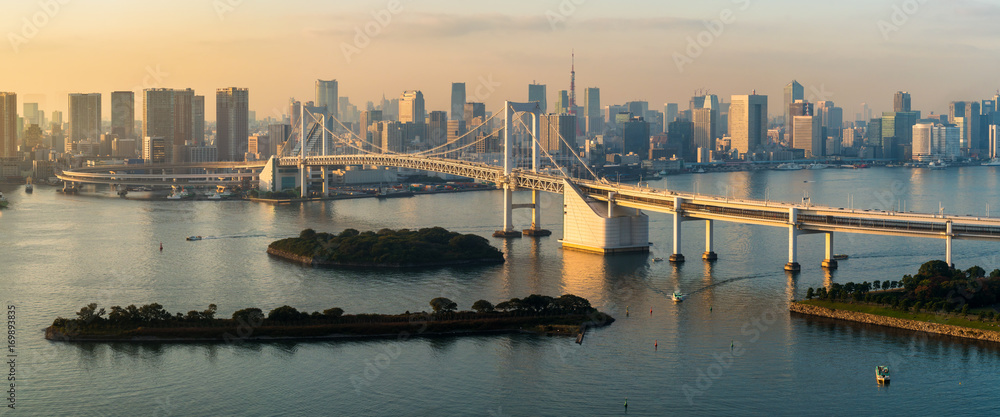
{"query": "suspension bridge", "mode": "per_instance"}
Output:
(598, 216)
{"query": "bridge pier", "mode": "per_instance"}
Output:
(536, 217)
(304, 180)
(508, 215)
(326, 181)
(709, 254)
(828, 261)
(676, 257)
(948, 237)
(793, 237)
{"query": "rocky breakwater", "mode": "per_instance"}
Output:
(914, 325)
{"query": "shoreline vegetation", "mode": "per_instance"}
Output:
(566, 315)
(430, 247)
(938, 299)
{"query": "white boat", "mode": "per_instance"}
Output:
(818, 166)
(215, 196)
(664, 172)
(882, 374)
(678, 296)
(993, 162)
(939, 164)
(657, 259)
(789, 166)
(699, 171)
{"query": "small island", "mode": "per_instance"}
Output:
(938, 299)
(386, 249)
(565, 315)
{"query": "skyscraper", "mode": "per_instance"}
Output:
(158, 117)
(793, 92)
(553, 126)
(411, 107)
(704, 129)
(536, 92)
(901, 102)
(84, 116)
(748, 122)
(437, 128)
(562, 103)
(595, 121)
(8, 125)
(635, 137)
(457, 101)
(123, 114)
(326, 95)
(669, 115)
(277, 134)
(807, 135)
(232, 108)
(368, 118)
(198, 107)
(31, 116)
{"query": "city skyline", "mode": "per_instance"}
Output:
(862, 44)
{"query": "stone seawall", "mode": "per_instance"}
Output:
(914, 325)
(305, 260)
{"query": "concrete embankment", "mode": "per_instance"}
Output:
(914, 325)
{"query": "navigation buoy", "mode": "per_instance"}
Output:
(626, 311)
(651, 311)
(161, 246)
(732, 345)
(626, 403)
(656, 345)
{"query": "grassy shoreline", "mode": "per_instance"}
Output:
(950, 319)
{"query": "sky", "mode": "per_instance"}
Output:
(847, 51)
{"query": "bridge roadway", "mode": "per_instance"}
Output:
(130, 174)
(804, 217)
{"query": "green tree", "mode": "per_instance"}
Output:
(249, 315)
(443, 305)
(571, 303)
(538, 303)
(90, 313)
(307, 234)
(333, 313)
(285, 313)
(483, 306)
(154, 312)
(965, 310)
(810, 294)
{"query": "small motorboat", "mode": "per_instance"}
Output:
(840, 257)
(882, 374)
(657, 259)
(678, 296)
(194, 238)
(29, 188)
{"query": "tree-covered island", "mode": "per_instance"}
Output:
(568, 315)
(387, 248)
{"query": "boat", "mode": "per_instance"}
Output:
(3, 201)
(390, 192)
(215, 196)
(663, 173)
(840, 257)
(789, 166)
(678, 296)
(194, 238)
(882, 374)
(699, 171)
(992, 163)
(818, 166)
(657, 259)
(29, 188)
(939, 164)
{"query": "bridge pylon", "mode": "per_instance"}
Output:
(510, 181)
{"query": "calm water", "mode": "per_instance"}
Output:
(730, 349)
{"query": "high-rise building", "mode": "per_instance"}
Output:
(748, 122)
(472, 112)
(808, 135)
(277, 134)
(123, 114)
(923, 149)
(636, 137)
(198, 122)
(899, 126)
(536, 92)
(168, 115)
(901, 102)
(457, 101)
(680, 136)
(437, 128)
(875, 133)
(562, 102)
(84, 117)
(411, 107)
(369, 118)
(793, 93)
(57, 117)
(31, 115)
(551, 127)
(994, 150)
(669, 115)
(798, 108)
(592, 100)
(8, 125)
(232, 108)
(704, 128)
(326, 96)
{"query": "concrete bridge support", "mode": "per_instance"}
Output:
(677, 257)
(326, 181)
(536, 216)
(304, 180)
(793, 237)
(828, 261)
(592, 226)
(709, 254)
(948, 238)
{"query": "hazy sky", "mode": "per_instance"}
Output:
(938, 50)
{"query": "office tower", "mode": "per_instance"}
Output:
(457, 101)
(123, 114)
(557, 133)
(793, 93)
(635, 137)
(232, 107)
(84, 116)
(326, 96)
(977, 139)
(437, 128)
(368, 118)
(562, 102)
(899, 126)
(277, 134)
(901, 102)
(31, 114)
(798, 108)
(680, 136)
(866, 112)
(198, 121)
(536, 92)
(808, 135)
(154, 149)
(994, 149)
(473, 111)
(748, 122)
(411, 107)
(162, 121)
(669, 115)
(923, 149)
(8, 125)
(875, 133)
(392, 139)
(57, 117)
(592, 100)
(258, 146)
(704, 128)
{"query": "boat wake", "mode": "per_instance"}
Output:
(670, 294)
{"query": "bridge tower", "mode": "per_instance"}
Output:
(509, 182)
